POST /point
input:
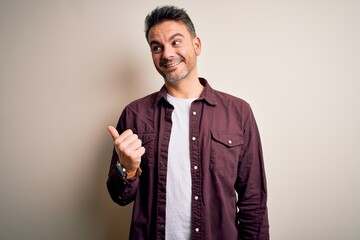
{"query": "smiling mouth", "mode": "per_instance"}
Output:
(169, 65)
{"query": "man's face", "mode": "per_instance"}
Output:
(174, 50)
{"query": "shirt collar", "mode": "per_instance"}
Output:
(207, 95)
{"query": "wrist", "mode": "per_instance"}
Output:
(121, 170)
(127, 174)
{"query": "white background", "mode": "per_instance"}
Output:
(67, 68)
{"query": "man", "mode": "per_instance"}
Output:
(188, 156)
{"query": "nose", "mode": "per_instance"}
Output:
(168, 52)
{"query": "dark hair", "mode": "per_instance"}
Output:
(161, 14)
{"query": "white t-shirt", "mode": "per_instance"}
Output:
(178, 183)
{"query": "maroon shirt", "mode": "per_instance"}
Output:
(225, 155)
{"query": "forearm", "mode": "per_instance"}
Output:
(253, 219)
(251, 186)
(252, 204)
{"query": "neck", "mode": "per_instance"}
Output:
(185, 89)
(189, 87)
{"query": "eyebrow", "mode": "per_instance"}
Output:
(176, 35)
(171, 38)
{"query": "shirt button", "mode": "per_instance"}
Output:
(194, 113)
(230, 142)
(195, 167)
(193, 138)
(196, 197)
(197, 229)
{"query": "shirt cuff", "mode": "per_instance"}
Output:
(132, 174)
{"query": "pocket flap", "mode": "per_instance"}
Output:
(146, 137)
(229, 139)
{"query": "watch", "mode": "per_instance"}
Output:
(122, 171)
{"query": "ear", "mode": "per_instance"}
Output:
(197, 45)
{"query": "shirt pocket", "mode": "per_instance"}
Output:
(147, 141)
(225, 152)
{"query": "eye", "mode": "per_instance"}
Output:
(176, 43)
(156, 49)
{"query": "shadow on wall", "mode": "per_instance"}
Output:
(114, 220)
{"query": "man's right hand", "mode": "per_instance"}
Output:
(128, 147)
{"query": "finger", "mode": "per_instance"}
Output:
(135, 144)
(129, 146)
(114, 133)
(124, 135)
(124, 140)
(140, 151)
(135, 155)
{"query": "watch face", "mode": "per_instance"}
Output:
(124, 172)
(121, 170)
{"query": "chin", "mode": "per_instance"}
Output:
(176, 78)
(173, 79)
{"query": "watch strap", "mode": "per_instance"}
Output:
(125, 174)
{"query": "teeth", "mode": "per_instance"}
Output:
(172, 65)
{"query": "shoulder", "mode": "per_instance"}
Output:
(220, 98)
(227, 100)
(145, 102)
(137, 112)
